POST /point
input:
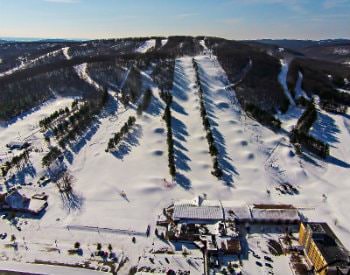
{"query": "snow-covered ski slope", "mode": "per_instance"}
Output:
(146, 46)
(256, 162)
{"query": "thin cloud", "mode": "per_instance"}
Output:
(63, 1)
(330, 4)
(186, 15)
(294, 5)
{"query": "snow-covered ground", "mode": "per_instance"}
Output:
(299, 92)
(32, 62)
(164, 41)
(46, 269)
(146, 46)
(81, 70)
(283, 80)
(254, 159)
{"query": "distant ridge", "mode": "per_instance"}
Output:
(41, 40)
(295, 44)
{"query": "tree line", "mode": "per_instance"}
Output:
(118, 137)
(213, 150)
(17, 161)
(300, 133)
(262, 116)
(168, 99)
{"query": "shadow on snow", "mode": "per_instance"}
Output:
(131, 140)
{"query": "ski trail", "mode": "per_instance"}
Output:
(81, 70)
(282, 78)
(299, 92)
(31, 62)
(146, 46)
(122, 84)
(193, 162)
(66, 53)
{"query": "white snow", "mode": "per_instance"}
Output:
(254, 159)
(66, 52)
(283, 80)
(299, 92)
(47, 269)
(198, 212)
(31, 62)
(81, 70)
(164, 41)
(341, 51)
(146, 46)
(344, 91)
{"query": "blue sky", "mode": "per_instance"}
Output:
(234, 19)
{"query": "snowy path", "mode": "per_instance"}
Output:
(32, 62)
(81, 70)
(47, 269)
(193, 162)
(282, 78)
(240, 140)
(146, 46)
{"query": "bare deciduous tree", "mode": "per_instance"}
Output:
(66, 182)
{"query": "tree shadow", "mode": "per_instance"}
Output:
(111, 107)
(68, 156)
(71, 201)
(325, 129)
(131, 140)
(181, 160)
(87, 136)
(179, 129)
(337, 162)
(181, 83)
(224, 160)
(26, 113)
(183, 181)
(20, 176)
(312, 158)
(178, 108)
(155, 108)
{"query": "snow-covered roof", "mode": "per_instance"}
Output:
(198, 212)
(198, 201)
(227, 243)
(36, 206)
(17, 144)
(15, 200)
(237, 213)
(275, 212)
